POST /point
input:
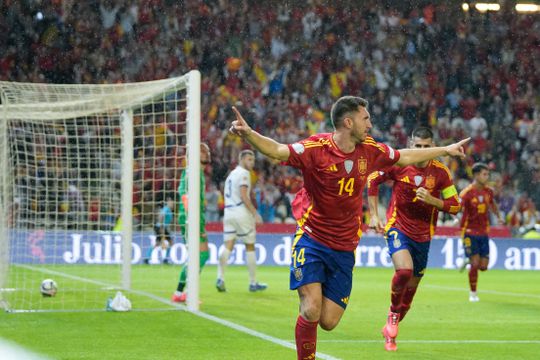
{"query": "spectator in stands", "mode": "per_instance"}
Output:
(395, 57)
(213, 197)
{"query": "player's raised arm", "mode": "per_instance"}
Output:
(411, 156)
(265, 145)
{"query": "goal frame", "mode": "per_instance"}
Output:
(74, 108)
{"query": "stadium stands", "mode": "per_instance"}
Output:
(461, 73)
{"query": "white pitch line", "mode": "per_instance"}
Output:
(104, 284)
(438, 341)
(229, 324)
(284, 343)
(494, 292)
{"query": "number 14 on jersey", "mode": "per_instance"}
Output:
(346, 187)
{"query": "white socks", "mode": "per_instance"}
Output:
(251, 262)
(223, 258)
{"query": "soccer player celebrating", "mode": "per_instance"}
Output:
(179, 295)
(412, 217)
(477, 200)
(329, 208)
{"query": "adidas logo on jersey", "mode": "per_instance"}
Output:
(405, 179)
(331, 168)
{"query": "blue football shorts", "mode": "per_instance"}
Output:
(419, 251)
(313, 262)
(476, 245)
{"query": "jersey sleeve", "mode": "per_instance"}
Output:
(451, 201)
(375, 179)
(448, 189)
(302, 153)
(464, 195)
(244, 178)
(383, 156)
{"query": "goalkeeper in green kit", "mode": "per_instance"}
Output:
(179, 295)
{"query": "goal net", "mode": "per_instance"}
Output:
(85, 171)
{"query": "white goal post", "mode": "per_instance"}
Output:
(84, 171)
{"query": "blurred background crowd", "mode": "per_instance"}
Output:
(283, 63)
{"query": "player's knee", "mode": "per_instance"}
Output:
(328, 324)
(310, 310)
(403, 276)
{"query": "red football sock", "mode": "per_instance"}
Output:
(473, 277)
(406, 301)
(400, 279)
(306, 338)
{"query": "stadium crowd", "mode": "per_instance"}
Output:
(284, 63)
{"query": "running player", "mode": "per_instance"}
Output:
(412, 217)
(477, 200)
(335, 167)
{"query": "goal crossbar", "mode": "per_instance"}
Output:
(44, 130)
(25, 101)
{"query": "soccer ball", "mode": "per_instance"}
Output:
(48, 287)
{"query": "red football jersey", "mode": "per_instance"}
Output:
(329, 207)
(476, 203)
(407, 213)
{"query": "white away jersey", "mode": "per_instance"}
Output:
(237, 178)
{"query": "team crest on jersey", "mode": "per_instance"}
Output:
(418, 180)
(362, 165)
(298, 148)
(348, 165)
(481, 198)
(430, 182)
(298, 274)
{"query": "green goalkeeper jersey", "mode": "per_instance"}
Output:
(182, 192)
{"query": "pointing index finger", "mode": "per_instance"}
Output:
(464, 141)
(238, 115)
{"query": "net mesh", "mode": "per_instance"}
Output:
(61, 157)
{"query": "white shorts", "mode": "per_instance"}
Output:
(239, 225)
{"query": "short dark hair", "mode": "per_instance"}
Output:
(422, 132)
(479, 166)
(343, 106)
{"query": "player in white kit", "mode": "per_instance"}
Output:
(239, 220)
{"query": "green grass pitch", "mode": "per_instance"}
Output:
(442, 324)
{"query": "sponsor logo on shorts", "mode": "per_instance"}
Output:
(298, 274)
